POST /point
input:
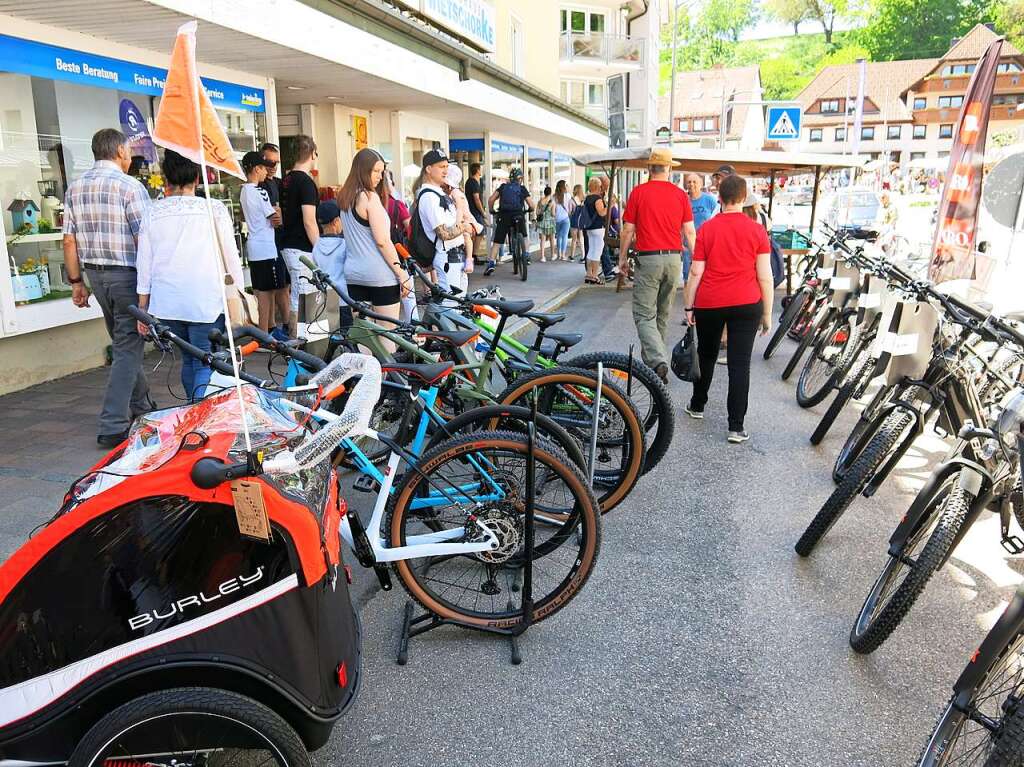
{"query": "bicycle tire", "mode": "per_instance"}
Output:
(941, 746)
(809, 338)
(661, 419)
(809, 390)
(786, 319)
(873, 626)
(877, 450)
(613, 490)
(837, 405)
(523, 261)
(1008, 745)
(182, 702)
(585, 509)
(847, 455)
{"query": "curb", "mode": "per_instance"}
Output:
(556, 302)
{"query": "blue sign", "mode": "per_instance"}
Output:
(502, 146)
(466, 145)
(54, 63)
(783, 123)
(133, 125)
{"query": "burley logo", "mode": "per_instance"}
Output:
(230, 586)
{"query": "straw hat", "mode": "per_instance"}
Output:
(661, 155)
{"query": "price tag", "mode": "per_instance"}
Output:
(825, 273)
(900, 345)
(249, 509)
(839, 283)
(869, 300)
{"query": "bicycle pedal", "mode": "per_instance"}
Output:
(365, 484)
(1013, 544)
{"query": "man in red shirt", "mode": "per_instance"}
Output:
(659, 217)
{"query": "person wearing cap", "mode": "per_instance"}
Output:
(373, 271)
(267, 271)
(513, 199)
(730, 287)
(181, 265)
(658, 218)
(439, 219)
(329, 252)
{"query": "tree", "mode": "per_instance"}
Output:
(889, 36)
(1009, 18)
(826, 12)
(788, 12)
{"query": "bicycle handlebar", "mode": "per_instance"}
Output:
(267, 341)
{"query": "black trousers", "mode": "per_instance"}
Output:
(742, 322)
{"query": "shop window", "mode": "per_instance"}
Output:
(920, 102)
(504, 157)
(893, 132)
(948, 102)
(840, 134)
(946, 131)
(539, 174)
(867, 133)
(920, 131)
(815, 135)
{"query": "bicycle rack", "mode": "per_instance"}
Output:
(428, 621)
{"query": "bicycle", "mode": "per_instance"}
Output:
(517, 247)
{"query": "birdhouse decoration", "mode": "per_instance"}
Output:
(24, 216)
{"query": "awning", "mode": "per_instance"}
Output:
(749, 163)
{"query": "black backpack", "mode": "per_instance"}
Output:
(422, 246)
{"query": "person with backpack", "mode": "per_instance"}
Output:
(512, 198)
(373, 270)
(436, 231)
(575, 211)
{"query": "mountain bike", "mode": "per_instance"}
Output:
(517, 247)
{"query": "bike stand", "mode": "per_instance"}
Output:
(421, 624)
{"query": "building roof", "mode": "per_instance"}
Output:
(699, 94)
(884, 86)
(17, 206)
(974, 43)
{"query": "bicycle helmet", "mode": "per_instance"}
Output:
(515, 175)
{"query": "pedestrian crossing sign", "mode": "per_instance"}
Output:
(783, 123)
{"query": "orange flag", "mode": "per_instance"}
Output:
(191, 130)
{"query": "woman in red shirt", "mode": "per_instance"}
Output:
(730, 286)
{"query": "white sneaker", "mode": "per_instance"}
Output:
(698, 414)
(736, 437)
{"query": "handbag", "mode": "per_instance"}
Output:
(242, 306)
(685, 363)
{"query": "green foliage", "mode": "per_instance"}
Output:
(889, 34)
(1009, 18)
(711, 36)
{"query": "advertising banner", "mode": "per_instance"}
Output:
(953, 255)
(133, 125)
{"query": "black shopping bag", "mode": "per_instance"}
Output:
(685, 364)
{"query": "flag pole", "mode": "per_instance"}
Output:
(218, 251)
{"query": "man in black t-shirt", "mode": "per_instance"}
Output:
(475, 196)
(299, 231)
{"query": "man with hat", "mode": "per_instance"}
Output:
(658, 216)
(721, 172)
(270, 280)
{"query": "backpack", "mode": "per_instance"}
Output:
(510, 197)
(395, 210)
(574, 217)
(586, 218)
(422, 246)
(778, 263)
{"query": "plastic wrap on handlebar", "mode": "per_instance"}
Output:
(354, 419)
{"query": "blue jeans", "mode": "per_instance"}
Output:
(562, 235)
(606, 261)
(687, 260)
(194, 374)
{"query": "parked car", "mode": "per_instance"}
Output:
(851, 209)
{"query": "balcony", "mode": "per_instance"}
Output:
(615, 52)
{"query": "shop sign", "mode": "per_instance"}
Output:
(359, 132)
(55, 63)
(502, 146)
(472, 20)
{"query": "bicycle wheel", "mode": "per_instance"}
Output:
(904, 576)
(878, 449)
(792, 311)
(189, 726)
(988, 730)
(848, 452)
(821, 371)
(524, 263)
(567, 395)
(846, 393)
(648, 393)
(808, 340)
(485, 589)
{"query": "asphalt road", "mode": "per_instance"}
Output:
(700, 639)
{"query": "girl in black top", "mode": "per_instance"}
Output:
(594, 211)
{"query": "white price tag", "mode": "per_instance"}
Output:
(900, 345)
(839, 283)
(869, 300)
(825, 273)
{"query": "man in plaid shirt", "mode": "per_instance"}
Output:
(103, 212)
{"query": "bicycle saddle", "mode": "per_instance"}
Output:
(508, 308)
(453, 337)
(544, 321)
(426, 372)
(566, 340)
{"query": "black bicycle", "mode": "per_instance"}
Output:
(517, 247)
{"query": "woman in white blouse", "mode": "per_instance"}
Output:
(179, 265)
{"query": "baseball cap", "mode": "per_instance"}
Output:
(327, 211)
(433, 157)
(251, 159)
(724, 170)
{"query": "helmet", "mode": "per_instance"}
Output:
(515, 174)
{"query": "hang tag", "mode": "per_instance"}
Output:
(900, 345)
(249, 509)
(869, 300)
(839, 283)
(825, 273)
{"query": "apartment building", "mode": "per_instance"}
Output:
(701, 98)
(480, 78)
(604, 38)
(910, 107)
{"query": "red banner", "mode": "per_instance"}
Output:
(953, 248)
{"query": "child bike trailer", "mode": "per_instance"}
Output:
(139, 627)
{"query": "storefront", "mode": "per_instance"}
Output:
(53, 98)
